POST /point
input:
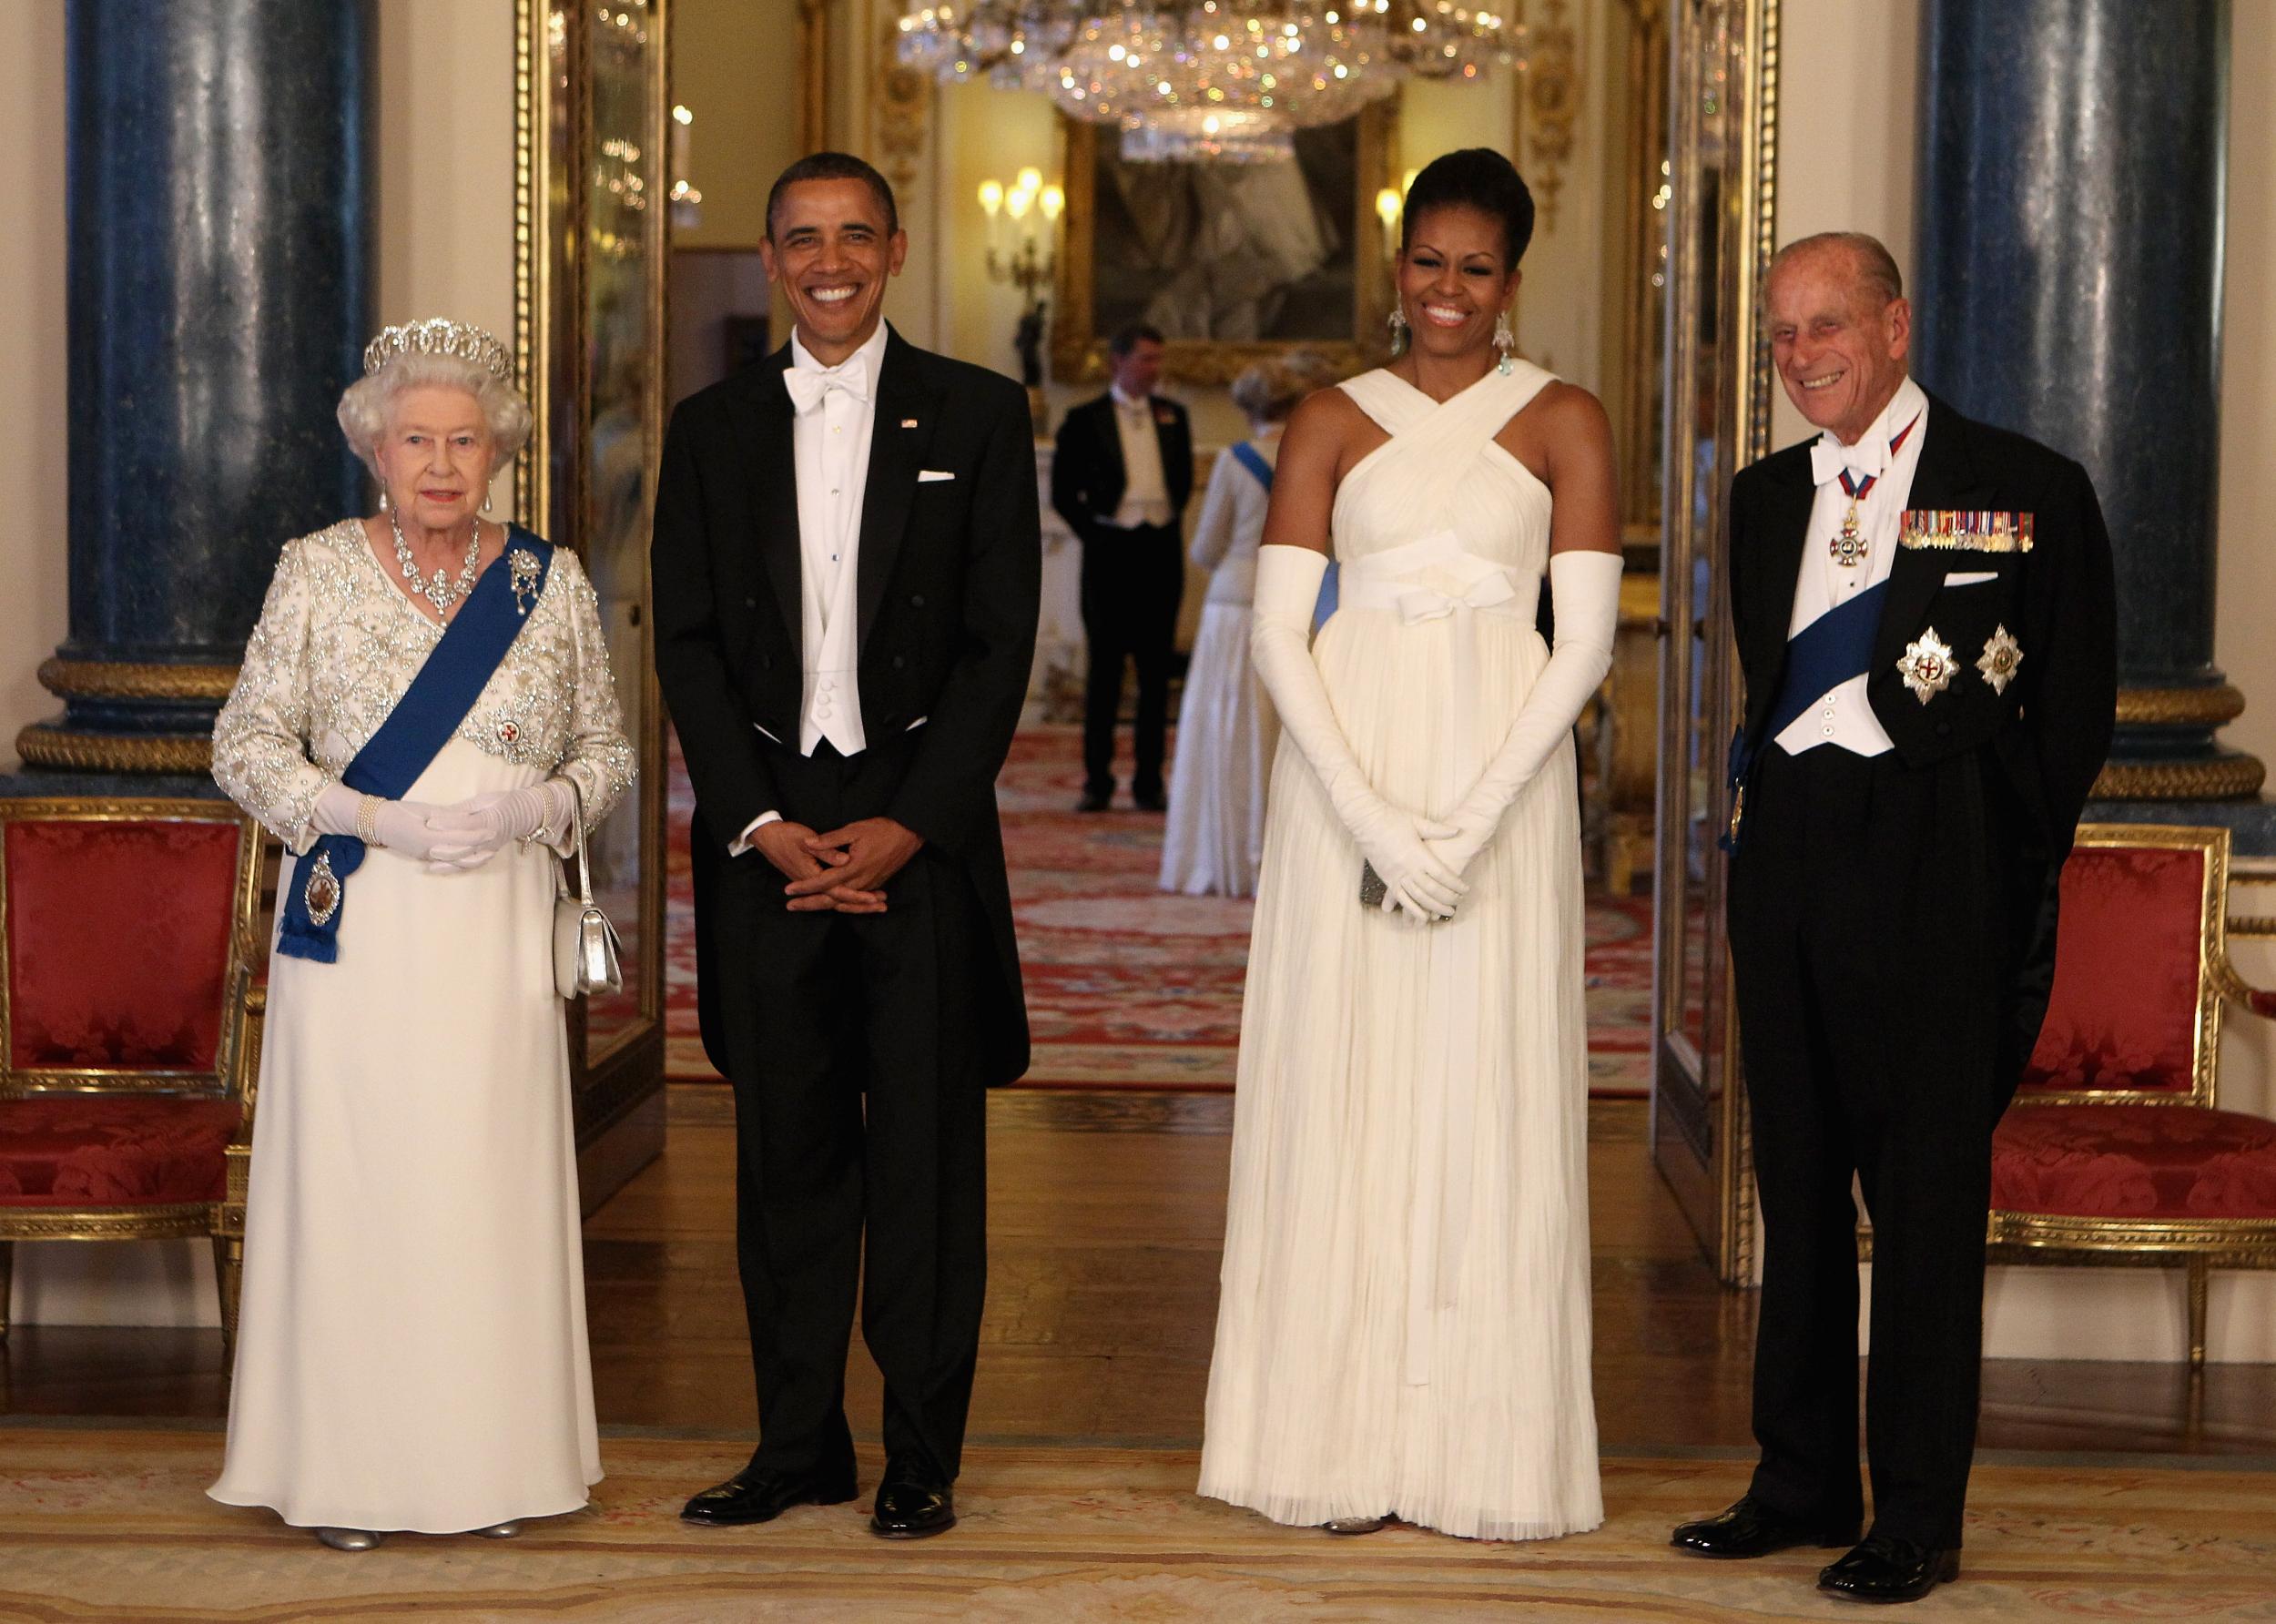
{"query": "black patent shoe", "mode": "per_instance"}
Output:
(1151, 800)
(755, 1495)
(911, 1504)
(1095, 800)
(1751, 1528)
(1886, 1568)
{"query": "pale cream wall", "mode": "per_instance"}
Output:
(1847, 70)
(446, 167)
(32, 359)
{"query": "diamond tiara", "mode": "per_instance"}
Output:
(436, 336)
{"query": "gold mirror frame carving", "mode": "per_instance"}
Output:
(553, 141)
(1079, 352)
(1715, 1189)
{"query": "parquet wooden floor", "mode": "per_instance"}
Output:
(1107, 1211)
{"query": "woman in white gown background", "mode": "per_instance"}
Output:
(1404, 1321)
(411, 1344)
(1215, 835)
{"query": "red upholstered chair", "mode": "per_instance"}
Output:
(2116, 1149)
(128, 1021)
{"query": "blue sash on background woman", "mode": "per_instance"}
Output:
(1250, 458)
(447, 685)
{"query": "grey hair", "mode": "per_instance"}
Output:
(1271, 389)
(1876, 267)
(366, 404)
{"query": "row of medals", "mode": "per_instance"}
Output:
(1928, 665)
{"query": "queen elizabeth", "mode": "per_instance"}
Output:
(424, 713)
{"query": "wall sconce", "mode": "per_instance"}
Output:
(1023, 252)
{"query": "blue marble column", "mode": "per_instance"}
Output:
(2072, 176)
(220, 237)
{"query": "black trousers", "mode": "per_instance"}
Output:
(1868, 930)
(859, 1114)
(1132, 581)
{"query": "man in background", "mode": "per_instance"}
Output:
(1121, 476)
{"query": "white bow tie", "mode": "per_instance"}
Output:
(1869, 458)
(808, 385)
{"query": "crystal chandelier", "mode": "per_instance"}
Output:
(1228, 80)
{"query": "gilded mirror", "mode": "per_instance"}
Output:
(1716, 418)
(591, 256)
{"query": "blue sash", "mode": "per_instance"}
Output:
(1834, 647)
(457, 670)
(1250, 458)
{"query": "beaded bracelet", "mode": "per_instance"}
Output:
(367, 820)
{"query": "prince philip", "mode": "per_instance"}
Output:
(846, 564)
(1924, 618)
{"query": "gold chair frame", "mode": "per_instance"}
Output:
(237, 1060)
(2201, 1244)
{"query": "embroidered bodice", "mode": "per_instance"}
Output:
(337, 645)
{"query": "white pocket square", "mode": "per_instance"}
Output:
(926, 476)
(1971, 577)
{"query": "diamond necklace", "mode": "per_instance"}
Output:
(439, 590)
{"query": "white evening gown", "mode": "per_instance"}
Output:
(1215, 834)
(411, 1344)
(1404, 1320)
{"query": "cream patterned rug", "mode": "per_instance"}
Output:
(113, 1524)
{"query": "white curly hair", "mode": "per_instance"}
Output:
(366, 405)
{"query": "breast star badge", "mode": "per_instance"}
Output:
(2002, 654)
(1926, 667)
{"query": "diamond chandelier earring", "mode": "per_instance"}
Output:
(1397, 324)
(1506, 343)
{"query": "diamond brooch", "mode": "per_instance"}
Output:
(522, 563)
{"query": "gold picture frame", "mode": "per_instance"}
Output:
(1079, 348)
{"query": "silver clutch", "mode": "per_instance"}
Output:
(584, 942)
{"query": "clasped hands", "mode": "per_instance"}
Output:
(1422, 861)
(843, 870)
(454, 838)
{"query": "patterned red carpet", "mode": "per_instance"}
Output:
(1131, 988)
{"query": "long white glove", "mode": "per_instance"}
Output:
(408, 827)
(1391, 838)
(480, 828)
(1586, 589)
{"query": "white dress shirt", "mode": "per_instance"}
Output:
(830, 431)
(1146, 489)
(1844, 716)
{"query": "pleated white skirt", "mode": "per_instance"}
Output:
(1404, 1323)
(1225, 735)
(411, 1346)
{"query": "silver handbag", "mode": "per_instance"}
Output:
(584, 942)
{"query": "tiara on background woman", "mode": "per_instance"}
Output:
(436, 336)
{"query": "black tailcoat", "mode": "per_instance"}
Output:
(1892, 927)
(1131, 582)
(859, 1046)
(1087, 472)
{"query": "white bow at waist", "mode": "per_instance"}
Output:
(1388, 580)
